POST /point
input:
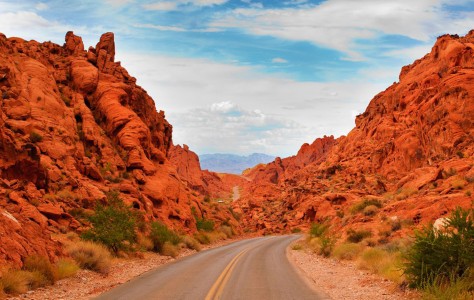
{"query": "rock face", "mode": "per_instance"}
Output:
(412, 150)
(74, 125)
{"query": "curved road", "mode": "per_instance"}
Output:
(249, 269)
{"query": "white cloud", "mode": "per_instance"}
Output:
(160, 27)
(279, 60)
(161, 6)
(175, 28)
(118, 2)
(229, 108)
(174, 5)
(342, 24)
(41, 6)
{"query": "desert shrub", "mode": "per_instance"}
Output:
(327, 245)
(227, 230)
(347, 251)
(43, 267)
(318, 229)
(444, 255)
(169, 249)
(370, 210)
(144, 243)
(204, 224)
(383, 263)
(113, 225)
(160, 234)
(90, 255)
(35, 137)
(202, 238)
(455, 288)
(365, 203)
(356, 236)
(296, 230)
(458, 184)
(66, 268)
(15, 281)
(191, 243)
(297, 247)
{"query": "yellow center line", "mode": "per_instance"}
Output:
(216, 290)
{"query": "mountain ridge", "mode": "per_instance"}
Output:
(232, 163)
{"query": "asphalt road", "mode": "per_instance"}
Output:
(256, 268)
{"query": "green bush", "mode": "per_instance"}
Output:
(442, 255)
(356, 236)
(35, 137)
(365, 203)
(318, 229)
(114, 225)
(204, 224)
(160, 234)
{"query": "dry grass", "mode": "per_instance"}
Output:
(458, 184)
(90, 255)
(403, 194)
(15, 282)
(42, 268)
(170, 250)
(144, 243)
(347, 251)
(191, 243)
(66, 268)
(227, 230)
(383, 263)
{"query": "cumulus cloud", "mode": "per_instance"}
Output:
(219, 107)
(342, 24)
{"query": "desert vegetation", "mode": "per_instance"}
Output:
(116, 231)
(437, 261)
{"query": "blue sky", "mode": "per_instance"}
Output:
(243, 76)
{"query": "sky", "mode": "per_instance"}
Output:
(245, 76)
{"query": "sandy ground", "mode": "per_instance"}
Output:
(342, 279)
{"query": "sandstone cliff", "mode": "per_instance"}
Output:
(412, 151)
(74, 125)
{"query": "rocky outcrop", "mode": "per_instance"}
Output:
(75, 125)
(412, 150)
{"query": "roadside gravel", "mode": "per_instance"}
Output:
(342, 279)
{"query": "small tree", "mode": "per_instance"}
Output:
(113, 224)
(442, 255)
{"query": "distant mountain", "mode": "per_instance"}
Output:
(231, 163)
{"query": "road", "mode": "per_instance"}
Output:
(235, 193)
(255, 268)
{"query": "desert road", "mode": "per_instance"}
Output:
(256, 268)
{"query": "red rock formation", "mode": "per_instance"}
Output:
(412, 149)
(74, 125)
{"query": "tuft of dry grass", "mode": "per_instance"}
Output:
(15, 282)
(144, 243)
(90, 255)
(347, 251)
(191, 243)
(227, 230)
(44, 272)
(383, 263)
(66, 268)
(170, 250)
